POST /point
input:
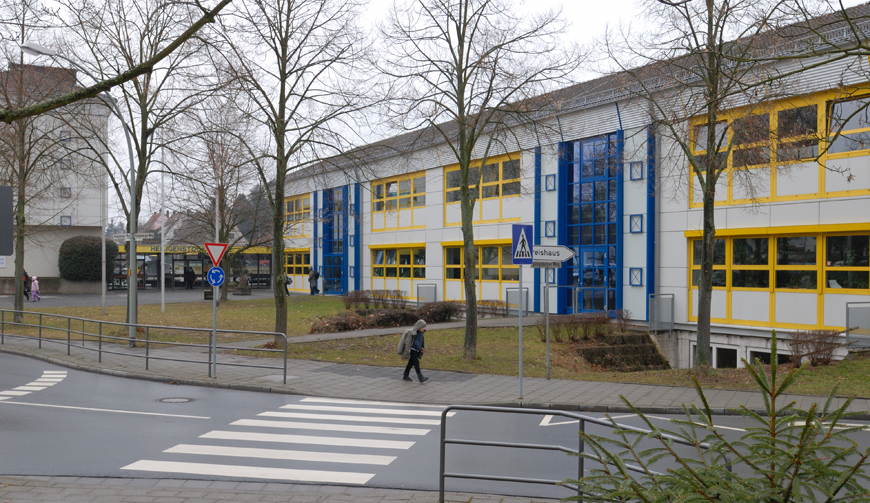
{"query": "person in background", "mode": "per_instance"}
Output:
(287, 282)
(413, 345)
(34, 287)
(313, 276)
(26, 285)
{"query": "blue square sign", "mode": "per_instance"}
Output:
(521, 248)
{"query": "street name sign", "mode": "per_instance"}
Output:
(546, 265)
(547, 253)
(216, 252)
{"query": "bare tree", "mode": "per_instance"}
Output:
(36, 153)
(298, 65)
(465, 71)
(107, 37)
(222, 171)
(128, 73)
(702, 78)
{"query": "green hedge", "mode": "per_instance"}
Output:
(80, 256)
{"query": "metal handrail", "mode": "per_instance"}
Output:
(583, 419)
(100, 337)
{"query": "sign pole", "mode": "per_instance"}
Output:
(547, 315)
(521, 332)
(215, 278)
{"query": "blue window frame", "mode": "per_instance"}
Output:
(635, 170)
(550, 183)
(335, 232)
(550, 228)
(635, 276)
(635, 224)
(592, 216)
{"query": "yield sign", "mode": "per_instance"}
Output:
(216, 252)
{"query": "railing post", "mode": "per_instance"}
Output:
(83, 333)
(580, 463)
(100, 343)
(443, 451)
(68, 340)
(40, 331)
(147, 347)
(285, 358)
(3, 327)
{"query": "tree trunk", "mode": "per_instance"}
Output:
(469, 351)
(705, 283)
(19, 246)
(278, 253)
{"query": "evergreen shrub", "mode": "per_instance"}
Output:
(80, 257)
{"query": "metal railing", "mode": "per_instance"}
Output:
(443, 474)
(99, 337)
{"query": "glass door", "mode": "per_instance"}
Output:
(593, 280)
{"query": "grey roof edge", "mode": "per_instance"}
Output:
(796, 39)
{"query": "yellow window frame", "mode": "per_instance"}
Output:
(297, 211)
(499, 184)
(478, 266)
(406, 189)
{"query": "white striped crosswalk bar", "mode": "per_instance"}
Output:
(307, 440)
(352, 428)
(250, 472)
(282, 454)
(358, 419)
(366, 410)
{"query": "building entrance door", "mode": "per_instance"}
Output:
(598, 279)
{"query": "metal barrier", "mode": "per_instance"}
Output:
(426, 292)
(661, 312)
(513, 293)
(100, 337)
(443, 474)
(858, 322)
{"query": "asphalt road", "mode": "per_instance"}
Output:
(60, 422)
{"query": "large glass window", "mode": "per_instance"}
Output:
(796, 262)
(851, 119)
(399, 263)
(719, 272)
(296, 262)
(846, 262)
(750, 263)
(797, 134)
(492, 180)
(297, 211)
(399, 194)
(492, 263)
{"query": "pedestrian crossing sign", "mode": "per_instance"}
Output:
(522, 247)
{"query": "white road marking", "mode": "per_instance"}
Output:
(29, 388)
(254, 472)
(367, 410)
(41, 383)
(547, 421)
(307, 439)
(101, 410)
(367, 402)
(5, 397)
(14, 393)
(331, 427)
(56, 373)
(363, 419)
(247, 452)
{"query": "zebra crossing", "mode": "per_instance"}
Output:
(318, 440)
(48, 378)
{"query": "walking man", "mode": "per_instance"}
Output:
(313, 275)
(412, 345)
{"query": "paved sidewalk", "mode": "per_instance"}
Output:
(95, 490)
(337, 380)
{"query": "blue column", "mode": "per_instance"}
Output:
(650, 215)
(538, 223)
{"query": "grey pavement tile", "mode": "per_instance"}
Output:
(223, 485)
(250, 486)
(196, 484)
(170, 482)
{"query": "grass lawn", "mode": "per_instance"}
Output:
(248, 315)
(497, 352)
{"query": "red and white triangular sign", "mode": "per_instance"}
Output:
(216, 252)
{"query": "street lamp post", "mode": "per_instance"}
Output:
(37, 50)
